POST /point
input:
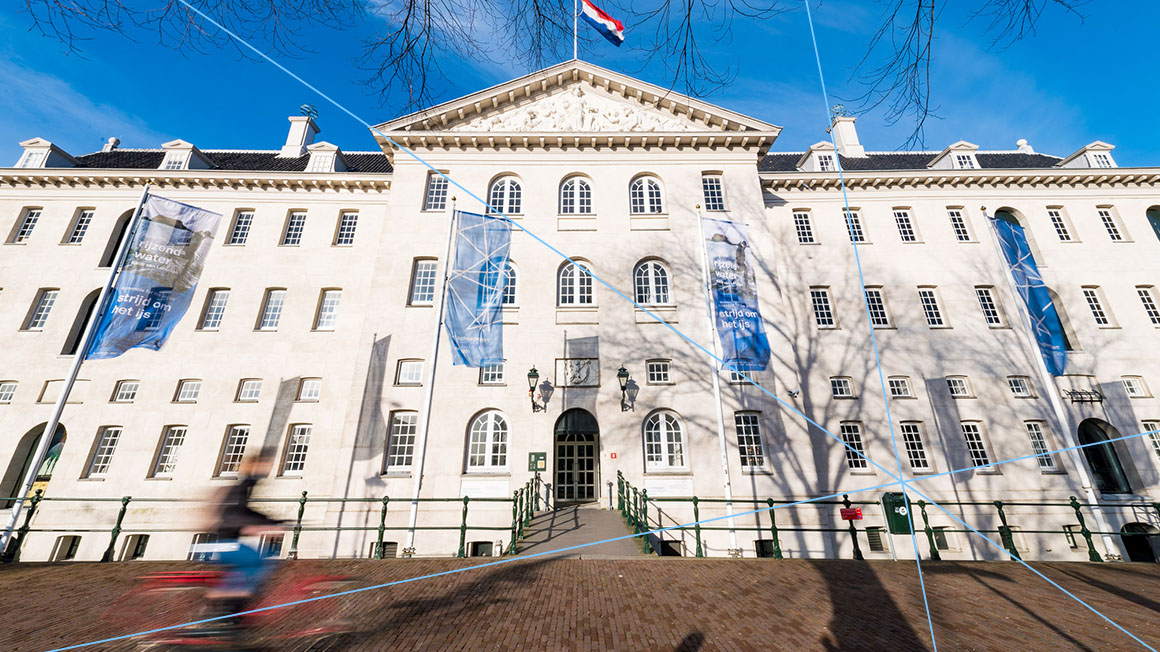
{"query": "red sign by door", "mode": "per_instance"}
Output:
(851, 514)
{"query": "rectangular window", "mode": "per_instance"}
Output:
(80, 226)
(126, 391)
(735, 377)
(65, 548)
(249, 390)
(33, 159)
(7, 389)
(1020, 386)
(1101, 160)
(1039, 445)
(196, 553)
(44, 302)
(1148, 298)
(965, 162)
(435, 199)
(658, 372)
(347, 224)
(327, 310)
(295, 459)
(215, 309)
(930, 307)
(854, 225)
(915, 451)
(134, 548)
(410, 372)
(174, 161)
(959, 224)
(188, 391)
(803, 227)
(270, 545)
(310, 389)
(241, 230)
(401, 445)
(973, 434)
(1109, 222)
(943, 538)
(841, 387)
(989, 304)
(272, 310)
(826, 163)
(423, 282)
(491, 374)
(321, 163)
(1074, 535)
(1153, 430)
(958, 386)
(157, 296)
(905, 226)
(233, 450)
(823, 314)
(713, 191)
(1135, 387)
(899, 387)
(1057, 221)
(749, 440)
(171, 444)
(295, 225)
(1092, 296)
(851, 433)
(27, 224)
(876, 305)
(107, 439)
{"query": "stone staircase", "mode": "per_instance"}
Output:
(576, 525)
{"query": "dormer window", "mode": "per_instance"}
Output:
(175, 161)
(1101, 160)
(826, 163)
(965, 162)
(321, 163)
(32, 159)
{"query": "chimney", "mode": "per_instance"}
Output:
(846, 137)
(111, 145)
(302, 132)
(1023, 146)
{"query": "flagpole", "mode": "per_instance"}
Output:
(49, 433)
(1050, 388)
(421, 445)
(575, 27)
(728, 483)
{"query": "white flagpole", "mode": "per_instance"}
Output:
(1050, 388)
(86, 340)
(421, 445)
(728, 483)
(575, 27)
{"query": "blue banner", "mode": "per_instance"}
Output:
(733, 282)
(475, 290)
(1044, 320)
(156, 283)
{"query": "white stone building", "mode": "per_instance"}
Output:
(312, 332)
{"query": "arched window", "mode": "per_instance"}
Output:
(644, 195)
(1070, 341)
(509, 285)
(1105, 464)
(487, 439)
(1153, 214)
(505, 195)
(651, 282)
(664, 442)
(575, 197)
(84, 314)
(575, 287)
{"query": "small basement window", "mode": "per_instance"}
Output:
(65, 548)
(134, 547)
(481, 549)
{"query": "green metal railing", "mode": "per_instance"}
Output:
(525, 502)
(633, 506)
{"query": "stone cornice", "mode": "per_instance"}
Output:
(584, 140)
(183, 179)
(901, 179)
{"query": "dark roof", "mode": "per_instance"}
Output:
(787, 162)
(146, 159)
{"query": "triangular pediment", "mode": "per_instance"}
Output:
(578, 101)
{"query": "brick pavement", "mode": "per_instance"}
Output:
(657, 604)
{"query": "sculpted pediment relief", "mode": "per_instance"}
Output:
(577, 109)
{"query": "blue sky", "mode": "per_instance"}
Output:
(1071, 83)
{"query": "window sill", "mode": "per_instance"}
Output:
(322, 330)
(1109, 327)
(492, 385)
(486, 474)
(305, 400)
(408, 384)
(92, 479)
(809, 244)
(420, 305)
(71, 244)
(940, 328)
(206, 330)
(757, 471)
(396, 474)
(1053, 472)
(287, 476)
(669, 473)
(160, 479)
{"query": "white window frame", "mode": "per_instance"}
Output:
(80, 226)
(1153, 429)
(240, 230)
(297, 446)
(976, 443)
(172, 441)
(574, 288)
(823, 308)
(125, 391)
(851, 434)
(877, 309)
(33, 159)
(435, 193)
(424, 275)
(249, 390)
(488, 436)
(842, 387)
(1147, 294)
(1100, 160)
(713, 192)
(506, 194)
(907, 230)
(1020, 386)
(646, 196)
(309, 390)
(322, 162)
(1101, 314)
(854, 227)
(659, 372)
(103, 449)
(273, 304)
(400, 450)
(326, 318)
(664, 442)
(750, 443)
(1037, 435)
(899, 387)
(509, 296)
(216, 301)
(1112, 224)
(492, 374)
(803, 227)
(959, 225)
(7, 390)
(234, 444)
(931, 308)
(575, 196)
(651, 283)
(912, 439)
(990, 307)
(959, 387)
(1060, 223)
(827, 162)
(346, 229)
(42, 306)
(188, 390)
(294, 229)
(965, 161)
(1135, 387)
(409, 372)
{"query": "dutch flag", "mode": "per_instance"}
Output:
(611, 28)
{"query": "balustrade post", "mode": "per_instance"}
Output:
(515, 520)
(537, 491)
(293, 554)
(16, 542)
(853, 530)
(620, 492)
(1087, 535)
(463, 530)
(382, 528)
(697, 526)
(773, 530)
(1005, 531)
(929, 532)
(531, 505)
(635, 513)
(646, 546)
(109, 552)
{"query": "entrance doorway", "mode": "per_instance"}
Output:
(1140, 541)
(577, 445)
(1107, 471)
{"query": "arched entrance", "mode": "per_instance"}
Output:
(577, 438)
(22, 459)
(1107, 471)
(1140, 541)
